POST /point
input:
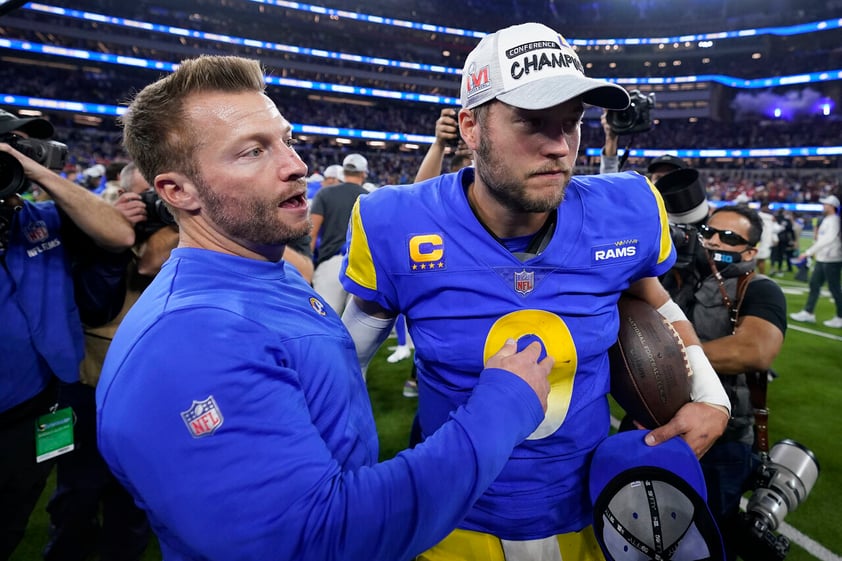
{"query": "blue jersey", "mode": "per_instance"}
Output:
(419, 250)
(232, 407)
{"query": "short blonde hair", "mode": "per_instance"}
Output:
(156, 133)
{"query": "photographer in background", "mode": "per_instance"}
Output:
(635, 118)
(446, 137)
(740, 317)
(90, 512)
(52, 278)
(609, 161)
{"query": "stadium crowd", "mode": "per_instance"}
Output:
(227, 23)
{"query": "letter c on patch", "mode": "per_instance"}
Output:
(426, 248)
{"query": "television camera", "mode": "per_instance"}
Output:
(49, 153)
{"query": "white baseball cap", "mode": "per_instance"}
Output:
(530, 66)
(355, 162)
(97, 170)
(831, 200)
(335, 171)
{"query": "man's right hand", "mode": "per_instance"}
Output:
(525, 365)
(447, 128)
(130, 206)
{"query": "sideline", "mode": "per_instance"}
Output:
(824, 334)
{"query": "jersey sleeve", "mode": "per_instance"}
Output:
(666, 250)
(365, 266)
(263, 484)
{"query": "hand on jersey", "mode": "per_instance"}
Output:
(525, 366)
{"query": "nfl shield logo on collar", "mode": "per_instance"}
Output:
(203, 417)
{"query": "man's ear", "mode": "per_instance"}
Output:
(469, 128)
(178, 191)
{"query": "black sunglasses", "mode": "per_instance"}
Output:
(727, 236)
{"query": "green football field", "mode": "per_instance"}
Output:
(801, 400)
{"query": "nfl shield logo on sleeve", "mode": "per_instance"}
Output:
(203, 417)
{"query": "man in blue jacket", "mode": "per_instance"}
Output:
(231, 403)
(47, 279)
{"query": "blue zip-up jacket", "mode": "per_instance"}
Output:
(231, 405)
(40, 329)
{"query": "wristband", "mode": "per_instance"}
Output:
(672, 312)
(705, 386)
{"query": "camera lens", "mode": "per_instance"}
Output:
(794, 470)
(684, 197)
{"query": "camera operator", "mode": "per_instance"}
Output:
(85, 486)
(609, 162)
(447, 140)
(740, 317)
(52, 278)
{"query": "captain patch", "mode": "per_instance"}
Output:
(426, 252)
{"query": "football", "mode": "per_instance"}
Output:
(649, 368)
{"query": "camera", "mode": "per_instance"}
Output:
(48, 153)
(157, 215)
(634, 118)
(783, 481)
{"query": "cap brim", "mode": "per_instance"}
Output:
(550, 92)
(35, 127)
(627, 450)
(668, 160)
